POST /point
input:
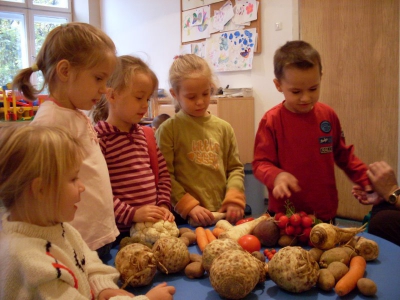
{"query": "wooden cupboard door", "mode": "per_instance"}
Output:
(359, 45)
(239, 112)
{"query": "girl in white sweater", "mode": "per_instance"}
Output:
(42, 256)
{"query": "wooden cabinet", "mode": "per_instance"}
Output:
(239, 112)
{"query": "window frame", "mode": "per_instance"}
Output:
(29, 14)
(28, 4)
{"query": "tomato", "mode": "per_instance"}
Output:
(283, 221)
(245, 220)
(295, 220)
(250, 243)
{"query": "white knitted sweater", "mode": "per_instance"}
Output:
(50, 263)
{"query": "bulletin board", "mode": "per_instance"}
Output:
(256, 24)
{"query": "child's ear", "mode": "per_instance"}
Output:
(63, 70)
(110, 94)
(37, 188)
(172, 92)
(278, 85)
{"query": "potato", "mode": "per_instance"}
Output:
(286, 240)
(196, 257)
(334, 254)
(326, 281)
(316, 253)
(338, 269)
(367, 287)
(183, 230)
(185, 240)
(191, 237)
(258, 255)
(194, 270)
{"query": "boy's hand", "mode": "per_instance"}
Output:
(201, 215)
(161, 292)
(110, 293)
(285, 183)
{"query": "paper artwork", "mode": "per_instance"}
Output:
(222, 16)
(207, 2)
(191, 31)
(231, 51)
(199, 49)
(245, 11)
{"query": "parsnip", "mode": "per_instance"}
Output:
(327, 236)
(238, 231)
(217, 216)
(223, 224)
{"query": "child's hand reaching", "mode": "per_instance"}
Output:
(168, 215)
(161, 292)
(234, 213)
(113, 294)
(201, 215)
(367, 196)
(285, 183)
(149, 213)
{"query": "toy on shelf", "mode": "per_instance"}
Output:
(15, 107)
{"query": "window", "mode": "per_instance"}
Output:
(24, 25)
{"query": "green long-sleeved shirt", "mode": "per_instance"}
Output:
(203, 161)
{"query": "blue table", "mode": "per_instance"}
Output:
(384, 271)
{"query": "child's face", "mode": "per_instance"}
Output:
(71, 189)
(300, 87)
(128, 106)
(194, 96)
(87, 85)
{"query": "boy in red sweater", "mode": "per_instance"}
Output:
(299, 141)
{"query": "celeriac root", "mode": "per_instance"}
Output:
(364, 247)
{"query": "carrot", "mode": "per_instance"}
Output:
(210, 235)
(349, 281)
(217, 231)
(201, 238)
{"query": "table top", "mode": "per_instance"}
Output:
(384, 271)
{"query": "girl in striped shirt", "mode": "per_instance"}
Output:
(141, 192)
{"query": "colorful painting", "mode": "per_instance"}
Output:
(191, 32)
(199, 49)
(232, 50)
(245, 11)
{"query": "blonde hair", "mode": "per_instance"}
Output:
(190, 66)
(81, 44)
(127, 67)
(30, 152)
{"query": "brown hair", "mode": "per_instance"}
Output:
(81, 44)
(190, 66)
(127, 67)
(299, 54)
(30, 152)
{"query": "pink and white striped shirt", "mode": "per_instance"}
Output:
(132, 179)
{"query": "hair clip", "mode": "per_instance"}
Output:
(177, 56)
(35, 68)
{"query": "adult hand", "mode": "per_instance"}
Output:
(383, 178)
(201, 215)
(285, 183)
(366, 196)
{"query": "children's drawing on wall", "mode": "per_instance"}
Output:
(223, 15)
(195, 24)
(231, 51)
(245, 11)
(199, 49)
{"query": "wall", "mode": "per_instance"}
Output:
(151, 30)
